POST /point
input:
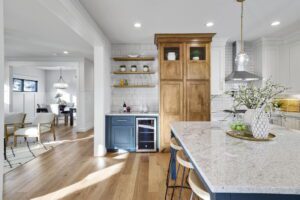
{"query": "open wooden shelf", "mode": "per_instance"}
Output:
(145, 58)
(129, 72)
(134, 86)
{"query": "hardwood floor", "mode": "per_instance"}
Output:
(70, 172)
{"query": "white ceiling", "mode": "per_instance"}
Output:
(32, 31)
(116, 17)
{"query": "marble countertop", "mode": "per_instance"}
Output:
(231, 165)
(133, 114)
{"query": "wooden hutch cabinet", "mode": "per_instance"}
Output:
(184, 79)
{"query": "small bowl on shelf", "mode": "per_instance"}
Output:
(133, 56)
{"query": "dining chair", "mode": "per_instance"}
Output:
(44, 122)
(12, 122)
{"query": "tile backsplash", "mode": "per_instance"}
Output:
(135, 97)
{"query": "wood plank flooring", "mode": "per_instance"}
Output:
(70, 172)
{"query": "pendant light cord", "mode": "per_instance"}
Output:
(60, 73)
(242, 17)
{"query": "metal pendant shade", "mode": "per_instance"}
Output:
(241, 59)
(60, 84)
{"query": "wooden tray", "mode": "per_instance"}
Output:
(248, 136)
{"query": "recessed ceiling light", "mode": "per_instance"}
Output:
(66, 52)
(209, 24)
(137, 25)
(275, 23)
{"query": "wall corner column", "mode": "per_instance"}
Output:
(1, 93)
(99, 101)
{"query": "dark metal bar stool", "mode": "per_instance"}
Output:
(174, 148)
(184, 162)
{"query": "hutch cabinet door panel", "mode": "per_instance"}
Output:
(123, 137)
(198, 62)
(171, 67)
(198, 101)
(171, 107)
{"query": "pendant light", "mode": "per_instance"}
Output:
(242, 59)
(60, 84)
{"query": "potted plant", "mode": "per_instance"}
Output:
(258, 101)
(195, 54)
(123, 68)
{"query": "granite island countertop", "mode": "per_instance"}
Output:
(231, 165)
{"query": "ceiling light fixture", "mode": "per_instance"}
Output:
(60, 84)
(275, 23)
(209, 24)
(137, 25)
(242, 58)
(66, 52)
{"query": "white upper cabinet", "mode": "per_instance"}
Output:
(294, 62)
(280, 61)
(218, 66)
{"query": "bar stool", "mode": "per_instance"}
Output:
(184, 162)
(197, 187)
(174, 147)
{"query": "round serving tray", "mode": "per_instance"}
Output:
(248, 136)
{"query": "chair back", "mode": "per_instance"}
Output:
(14, 118)
(54, 108)
(44, 118)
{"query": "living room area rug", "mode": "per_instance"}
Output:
(23, 152)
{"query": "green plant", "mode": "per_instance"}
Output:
(195, 53)
(255, 97)
(277, 104)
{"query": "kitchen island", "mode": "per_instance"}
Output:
(234, 169)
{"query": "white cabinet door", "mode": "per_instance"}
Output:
(292, 123)
(217, 70)
(295, 67)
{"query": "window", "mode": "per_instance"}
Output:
(21, 85)
(30, 86)
(17, 85)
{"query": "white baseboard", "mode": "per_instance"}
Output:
(88, 126)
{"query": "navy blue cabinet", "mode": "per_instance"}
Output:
(120, 133)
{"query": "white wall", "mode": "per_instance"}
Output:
(135, 97)
(69, 94)
(85, 92)
(27, 101)
(1, 95)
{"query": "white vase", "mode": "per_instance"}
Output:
(260, 125)
(248, 116)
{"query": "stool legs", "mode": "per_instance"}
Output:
(182, 183)
(168, 176)
(178, 168)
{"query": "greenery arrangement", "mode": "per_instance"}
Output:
(254, 97)
(277, 104)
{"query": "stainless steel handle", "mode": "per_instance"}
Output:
(121, 120)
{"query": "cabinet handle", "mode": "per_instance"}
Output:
(121, 120)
